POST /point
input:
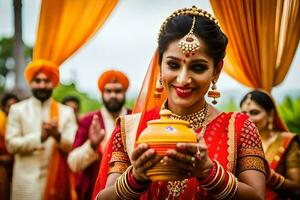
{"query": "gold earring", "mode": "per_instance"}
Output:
(159, 88)
(270, 125)
(214, 93)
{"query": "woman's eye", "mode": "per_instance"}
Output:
(173, 65)
(199, 67)
(254, 112)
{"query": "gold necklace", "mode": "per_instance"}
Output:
(196, 120)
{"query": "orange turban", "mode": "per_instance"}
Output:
(112, 76)
(47, 67)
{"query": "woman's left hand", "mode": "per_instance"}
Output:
(191, 158)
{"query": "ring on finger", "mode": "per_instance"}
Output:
(193, 161)
(198, 154)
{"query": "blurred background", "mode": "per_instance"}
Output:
(126, 42)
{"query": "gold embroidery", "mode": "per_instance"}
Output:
(122, 119)
(119, 157)
(251, 152)
(231, 144)
(118, 167)
(251, 163)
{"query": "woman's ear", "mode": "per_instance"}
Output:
(218, 69)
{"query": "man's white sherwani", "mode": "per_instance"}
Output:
(23, 139)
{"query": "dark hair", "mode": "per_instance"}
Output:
(177, 27)
(261, 99)
(6, 97)
(71, 98)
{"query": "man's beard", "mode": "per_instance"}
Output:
(42, 94)
(113, 105)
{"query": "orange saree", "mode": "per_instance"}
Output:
(231, 138)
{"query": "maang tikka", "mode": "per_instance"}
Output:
(189, 43)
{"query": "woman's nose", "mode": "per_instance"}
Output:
(183, 77)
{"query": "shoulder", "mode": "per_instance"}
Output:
(20, 105)
(65, 108)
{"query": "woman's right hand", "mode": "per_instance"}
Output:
(143, 159)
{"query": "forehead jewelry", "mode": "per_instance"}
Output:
(248, 102)
(189, 43)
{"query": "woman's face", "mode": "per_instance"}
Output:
(256, 113)
(187, 78)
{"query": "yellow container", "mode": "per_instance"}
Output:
(163, 134)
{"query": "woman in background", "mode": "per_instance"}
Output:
(282, 148)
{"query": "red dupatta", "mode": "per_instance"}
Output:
(60, 182)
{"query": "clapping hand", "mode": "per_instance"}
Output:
(50, 129)
(96, 133)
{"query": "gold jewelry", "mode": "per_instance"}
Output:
(175, 188)
(196, 120)
(189, 43)
(214, 93)
(159, 88)
(194, 12)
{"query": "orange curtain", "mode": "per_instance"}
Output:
(65, 25)
(263, 38)
(146, 99)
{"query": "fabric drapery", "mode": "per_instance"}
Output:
(263, 38)
(65, 25)
(146, 99)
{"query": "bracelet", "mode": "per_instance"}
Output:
(127, 187)
(135, 184)
(221, 184)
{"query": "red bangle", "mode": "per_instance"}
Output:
(212, 174)
(135, 184)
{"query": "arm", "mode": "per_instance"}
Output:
(290, 187)
(82, 156)
(16, 140)
(85, 154)
(143, 158)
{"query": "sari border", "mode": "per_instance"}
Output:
(231, 158)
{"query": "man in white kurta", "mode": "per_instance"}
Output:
(31, 135)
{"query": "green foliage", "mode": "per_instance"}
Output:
(229, 106)
(7, 62)
(87, 104)
(289, 110)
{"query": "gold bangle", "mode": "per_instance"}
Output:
(281, 181)
(217, 173)
(216, 185)
(226, 189)
(122, 188)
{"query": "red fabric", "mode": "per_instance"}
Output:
(85, 180)
(215, 137)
